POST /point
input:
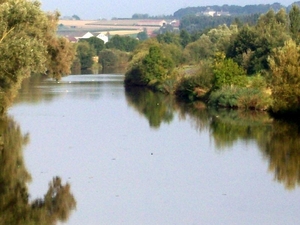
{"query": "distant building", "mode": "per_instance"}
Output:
(76, 36)
(103, 37)
(209, 12)
(175, 23)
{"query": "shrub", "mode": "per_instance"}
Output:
(195, 83)
(242, 98)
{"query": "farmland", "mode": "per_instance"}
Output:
(120, 27)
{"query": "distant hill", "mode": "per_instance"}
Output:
(232, 10)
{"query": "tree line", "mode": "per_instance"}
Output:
(233, 10)
(238, 65)
(113, 54)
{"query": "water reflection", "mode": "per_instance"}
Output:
(278, 141)
(40, 88)
(156, 107)
(15, 204)
(282, 149)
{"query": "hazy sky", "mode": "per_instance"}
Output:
(96, 9)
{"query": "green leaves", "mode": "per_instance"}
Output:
(285, 72)
(28, 44)
(228, 73)
(155, 65)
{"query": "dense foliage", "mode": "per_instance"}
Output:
(92, 54)
(28, 44)
(193, 23)
(237, 65)
(123, 43)
(232, 9)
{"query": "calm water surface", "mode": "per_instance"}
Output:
(138, 158)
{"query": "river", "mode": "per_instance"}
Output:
(134, 157)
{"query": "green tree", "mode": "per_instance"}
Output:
(201, 49)
(96, 43)
(75, 17)
(185, 38)
(28, 44)
(285, 77)
(152, 65)
(221, 35)
(294, 16)
(85, 53)
(155, 65)
(108, 58)
(22, 51)
(61, 54)
(168, 38)
(123, 43)
(252, 45)
(142, 35)
(228, 73)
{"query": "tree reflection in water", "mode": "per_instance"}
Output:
(278, 141)
(156, 107)
(15, 206)
(282, 149)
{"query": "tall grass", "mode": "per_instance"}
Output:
(243, 98)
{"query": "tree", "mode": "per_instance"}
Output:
(61, 54)
(185, 38)
(28, 44)
(227, 73)
(151, 64)
(85, 54)
(168, 38)
(201, 49)
(221, 35)
(252, 45)
(285, 77)
(22, 48)
(245, 42)
(123, 43)
(294, 16)
(75, 17)
(142, 35)
(96, 43)
(108, 58)
(155, 65)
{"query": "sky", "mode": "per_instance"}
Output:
(107, 9)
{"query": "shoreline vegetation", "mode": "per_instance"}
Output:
(248, 62)
(238, 66)
(28, 45)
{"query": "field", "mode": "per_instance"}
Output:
(120, 27)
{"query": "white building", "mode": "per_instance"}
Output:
(103, 37)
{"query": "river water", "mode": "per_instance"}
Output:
(134, 157)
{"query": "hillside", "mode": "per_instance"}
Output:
(232, 10)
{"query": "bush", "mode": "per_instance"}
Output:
(195, 83)
(228, 73)
(242, 98)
